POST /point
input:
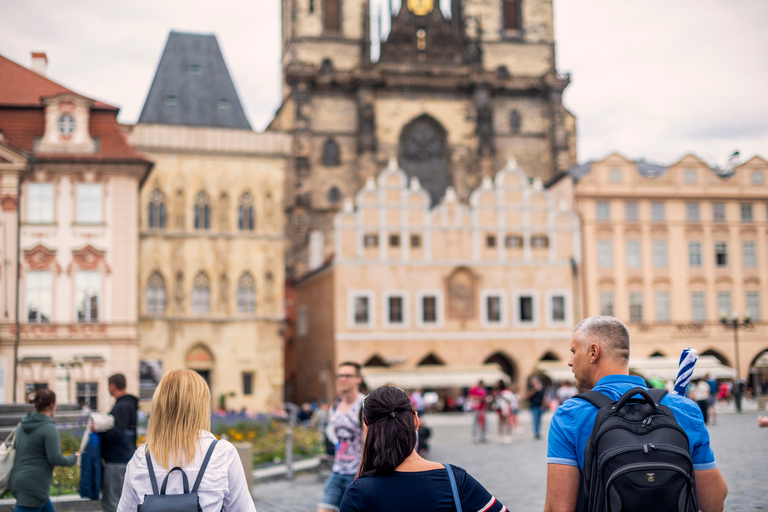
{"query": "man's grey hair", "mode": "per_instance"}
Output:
(609, 332)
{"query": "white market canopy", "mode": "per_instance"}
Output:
(434, 377)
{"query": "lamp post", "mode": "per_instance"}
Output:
(735, 324)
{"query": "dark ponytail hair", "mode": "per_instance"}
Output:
(391, 434)
(44, 399)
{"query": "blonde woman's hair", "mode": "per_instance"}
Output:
(181, 408)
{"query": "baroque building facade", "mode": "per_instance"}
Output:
(451, 96)
(672, 250)
(440, 296)
(68, 284)
(211, 265)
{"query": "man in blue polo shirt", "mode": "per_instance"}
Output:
(600, 361)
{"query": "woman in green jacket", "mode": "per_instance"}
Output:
(38, 450)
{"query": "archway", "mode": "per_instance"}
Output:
(200, 359)
(507, 365)
(658, 353)
(758, 371)
(431, 360)
(376, 361)
(423, 154)
(720, 357)
(549, 356)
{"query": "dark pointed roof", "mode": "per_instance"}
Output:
(192, 86)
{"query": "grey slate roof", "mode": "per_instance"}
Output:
(192, 86)
(646, 169)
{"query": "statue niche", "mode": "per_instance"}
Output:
(423, 154)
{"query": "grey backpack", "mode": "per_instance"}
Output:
(186, 502)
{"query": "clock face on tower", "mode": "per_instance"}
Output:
(66, 125)
(420, 7)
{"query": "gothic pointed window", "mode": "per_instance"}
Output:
(332, 15)
(331, 153)
(514, 122)
(423, 154)
(246, 294)
(155, 294)
(245, 215)
(512, 15)
(202, 211)
(157, 214)
(201, 294)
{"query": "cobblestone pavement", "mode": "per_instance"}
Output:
(516, 473)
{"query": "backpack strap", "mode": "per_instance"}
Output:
(454, 488)
(596, 398)
(204, 465)
(183, 476)
(657, 394)
(151, 470)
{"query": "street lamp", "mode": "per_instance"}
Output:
(734, 323)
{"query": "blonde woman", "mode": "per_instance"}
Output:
(179, 435)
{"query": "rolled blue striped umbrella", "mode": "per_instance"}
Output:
(685, 370)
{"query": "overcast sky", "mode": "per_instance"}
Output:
(653, 78)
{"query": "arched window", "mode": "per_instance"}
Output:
(334, 195)
(245, 217)
(331, 154)
(202, 211)
(156, 215)
(424, 154)
(201, 294)
(155, 294)
(514, 121)
(246, 294)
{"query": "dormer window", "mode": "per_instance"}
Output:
(66, 125)
(171, 100)
(223, 104)
(195, 69)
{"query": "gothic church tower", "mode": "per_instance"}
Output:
(452, 97)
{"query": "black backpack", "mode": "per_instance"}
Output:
(187, 502)
(637, 457)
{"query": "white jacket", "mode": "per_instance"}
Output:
(223, 482)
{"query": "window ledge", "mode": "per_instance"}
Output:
(40, 224)
(89, 224)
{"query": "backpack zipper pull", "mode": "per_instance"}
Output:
(653, 446)
(649, 420)
(645, 447)
(644, 422)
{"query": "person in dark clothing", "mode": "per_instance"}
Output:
(536, 403)
(119, 442)
(38, 450)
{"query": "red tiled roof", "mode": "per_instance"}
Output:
(22, 87)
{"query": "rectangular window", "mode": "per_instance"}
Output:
(660, 253)
(718, 212)
(39, 296)
(757, 178)
(513, 241)
(631, 211)
(40, 203)
(394, 240)
(749, 254)
(606, 303)
(362, 313)
(605, 254)
(395, 309)
(694, 254)
(87, 294)
(721, 254)
(415, 241)
(753, 306)
(692, 212)
(636, 307)
(332, 15)
(698, 307)
(603, 211)
(634, 257)
(429, 309)
(558, 308)
(511, 15)
(689, 176)
(247, 383)
(662, 307)
(370, 240)
(724, 304)
(89, 203)
(88, 394)
(614, 175)
(526, 309)
(490, 240)
(493, 309)
(302, 321)
(746, 212)
(657, 212)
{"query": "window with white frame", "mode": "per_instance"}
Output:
(361, 310)
(604, 253)
(721, 254)
(757, 178)
(395, 309)
(525, 308)
(370, 240)
(692, 213)
(746, 212)
(87, 296)
(40, 203)
(631, 211)
(603, 211)
(89, 199)
(660, 253)
(201, 294)
(634, 255)
(302, 321)
(636, 307)
(155, 294)
(662, 306)
(606, 303)
(39, 296)
(694, 254)
(689, 176)
(698, 307)
(718, 212)
(428, 305)
(493, 307)
(88, 394)
(557, 308)
(657, 212)
(749, 254)
(753, 306)
(724, 303)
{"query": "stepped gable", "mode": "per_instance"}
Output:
(193, 87)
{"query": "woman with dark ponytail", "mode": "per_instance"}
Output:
(393, 476)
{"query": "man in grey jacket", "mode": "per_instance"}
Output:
(118, 443)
